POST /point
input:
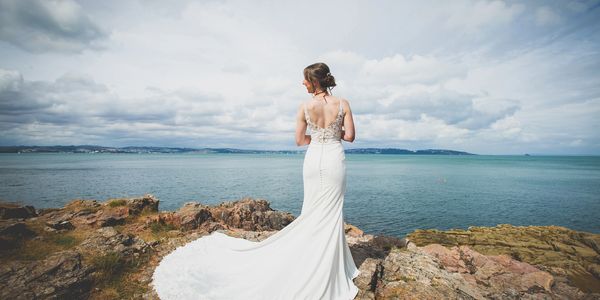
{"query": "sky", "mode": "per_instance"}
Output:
(485, 77)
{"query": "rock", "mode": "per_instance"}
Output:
(497, 266)
(351, 230)
(388, 242)
(16, 211)
(250, 214)
(355, 235)
(247, 214)
(54, 217)
(450, 260)
(147, 203)
(436, 272)
(211, 226)
(110, 213)
(81, 205)
(111, 217)
(411, 274)
(60, 225)
(45, 211)
(496, 273)
(570, 292)
(594, 269)
(274, 220)
(562, 251)
(369, 278)
(165, 217)
(192, 215)
(77, 212)
(15, 229)
(61, 276)
(364, 251)
(351, 240)
(12, 232)
(107, 239)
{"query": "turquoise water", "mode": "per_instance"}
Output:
(386, 194)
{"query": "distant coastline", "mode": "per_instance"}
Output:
(137, 149)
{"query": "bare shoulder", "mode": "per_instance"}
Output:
(303, 104)
(343, 100)
(345, 103)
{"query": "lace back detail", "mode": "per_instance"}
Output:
(331, 133)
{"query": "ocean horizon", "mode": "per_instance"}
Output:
(386, 194)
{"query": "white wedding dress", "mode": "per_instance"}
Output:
(307, 259)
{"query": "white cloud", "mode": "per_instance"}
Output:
(477, 76)
(10, 81)
(472, 16)
(421, 69)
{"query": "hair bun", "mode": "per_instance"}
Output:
(329, 80)
(319, 72)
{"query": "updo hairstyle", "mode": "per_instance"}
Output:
(319, 72)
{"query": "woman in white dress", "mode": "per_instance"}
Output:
(307, 259)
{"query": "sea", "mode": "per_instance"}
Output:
(385, 194)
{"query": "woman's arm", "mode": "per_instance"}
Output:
(349, 131)
(301, 137)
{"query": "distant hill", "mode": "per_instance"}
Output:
(136, 149)
(405, 151)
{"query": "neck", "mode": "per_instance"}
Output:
(321, 92)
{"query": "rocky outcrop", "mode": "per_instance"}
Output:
(114, 238)
(108, 240)
(247, 214)
(60, 276)
(411, 274)
(12, 232)
(107, 250)
(191, 216)
(60, 225)
(398, 269)
(497, 274)
(572, 257)
(139, 205)
(91, 213)
(16, 211)
(250, 215)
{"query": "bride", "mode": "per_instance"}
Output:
(307, 259)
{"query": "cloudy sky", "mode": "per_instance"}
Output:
(487, 77)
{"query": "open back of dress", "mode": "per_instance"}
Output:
(308, 259)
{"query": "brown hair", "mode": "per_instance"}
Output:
(319, 72)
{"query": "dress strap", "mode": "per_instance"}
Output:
(341, 109)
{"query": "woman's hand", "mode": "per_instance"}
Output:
(306, 141)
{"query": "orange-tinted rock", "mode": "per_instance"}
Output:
(558, 250)
(250, 214)
(352, 230)
(191, 216)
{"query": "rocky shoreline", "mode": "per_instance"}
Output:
(108, 250)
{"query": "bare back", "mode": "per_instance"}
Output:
(322, 113)
(333, 116)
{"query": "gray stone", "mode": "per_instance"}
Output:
(16, 211)
(61, 276)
